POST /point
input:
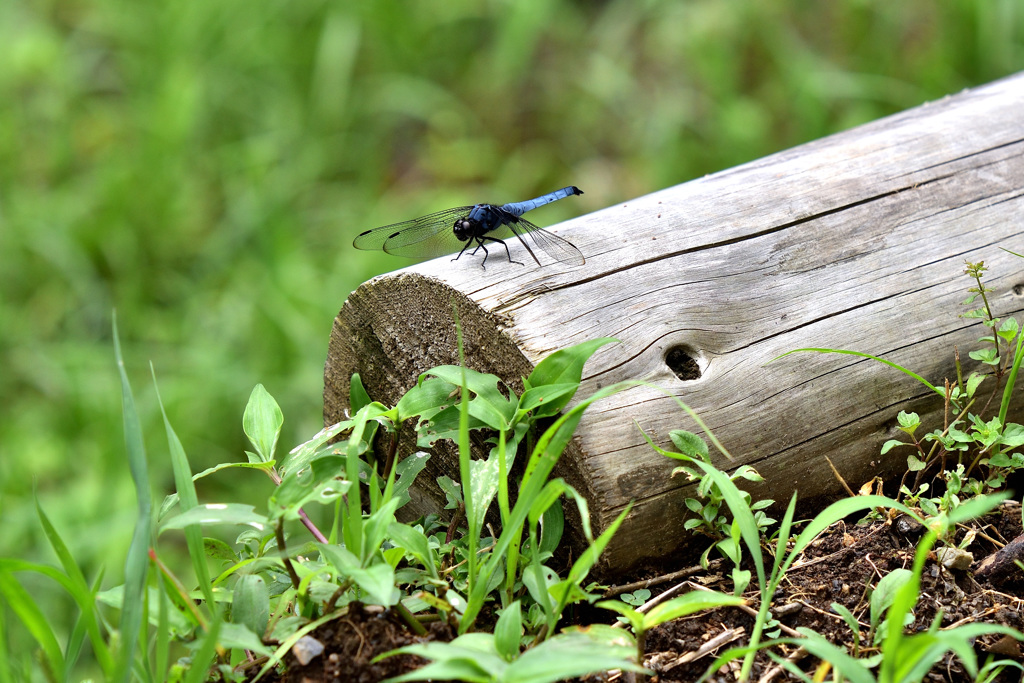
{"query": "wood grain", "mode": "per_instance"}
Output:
(855, 241)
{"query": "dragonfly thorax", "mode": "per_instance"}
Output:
(481, 220)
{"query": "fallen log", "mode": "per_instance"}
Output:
(856, 241)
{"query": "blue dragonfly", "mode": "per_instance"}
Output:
(443, 232)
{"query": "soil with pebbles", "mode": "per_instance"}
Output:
(840, 566)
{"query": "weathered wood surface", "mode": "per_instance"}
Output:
(854, 241)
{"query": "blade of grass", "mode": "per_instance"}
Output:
(137, 563)
(79, 589)
(187, 499)
(34, 621)
(905, 371)
(1011, 378)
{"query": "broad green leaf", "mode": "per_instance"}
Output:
(266, 466)
(484, 483)
(569, 655)
(689, 444)
(316, 484)
(428, 396)
(465, 669)
(241, 637)
(301, 455)
(250, 603)
(690, 603)
(416, 543)
(551, 529)
(564, 366)
(885, 592)
(508, 630)
(217, 513)
(378, 580)
(541, 397)
(893, 443)
(262, 422)
(487, 404)
(406, 471)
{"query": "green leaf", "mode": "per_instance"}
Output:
(301, 455)
(426, 397)
(416, 543)
(690, 603)
(569, 655)
(80, 591)
(376, 528)
(357, 395)
(885, 592)
(986, 355)
(18, 600)
(1008, 329)
(908, 422)
(488, 404)
(136, 566)
(915, 464)
(262, 422)
(855, 670)
(378, 580)
(902, 369)
(217, 513)
(689, 444)
(636, 619)
(539, 398)
(892, 443)
(186, 490)
(564, 366)
(250, 603)
(508, 630)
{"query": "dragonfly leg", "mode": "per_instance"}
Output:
(502, 243)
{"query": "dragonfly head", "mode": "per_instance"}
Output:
(464, 228)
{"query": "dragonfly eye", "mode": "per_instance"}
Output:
(462, 229)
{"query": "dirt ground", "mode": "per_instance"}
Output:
(838, 567)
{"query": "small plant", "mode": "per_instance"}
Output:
(708, 506)
(690, 603)
(970, 455)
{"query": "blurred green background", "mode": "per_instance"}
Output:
(203, 165)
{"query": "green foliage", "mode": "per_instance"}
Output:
(272, 582)
(690, 603)
(983, 449)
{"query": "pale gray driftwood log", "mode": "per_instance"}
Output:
(855, 241)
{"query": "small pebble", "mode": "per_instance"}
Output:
(954, 558)
(307, 649)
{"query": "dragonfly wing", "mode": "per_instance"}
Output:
(424, 237)
(554, 246)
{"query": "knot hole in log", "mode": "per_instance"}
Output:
(682, 361)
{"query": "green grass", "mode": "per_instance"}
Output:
(203, 166)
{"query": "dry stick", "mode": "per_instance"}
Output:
(279, 532)
(726, 636)
(773, 673)
(664, 578)
(751, 611)
(840, 478)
